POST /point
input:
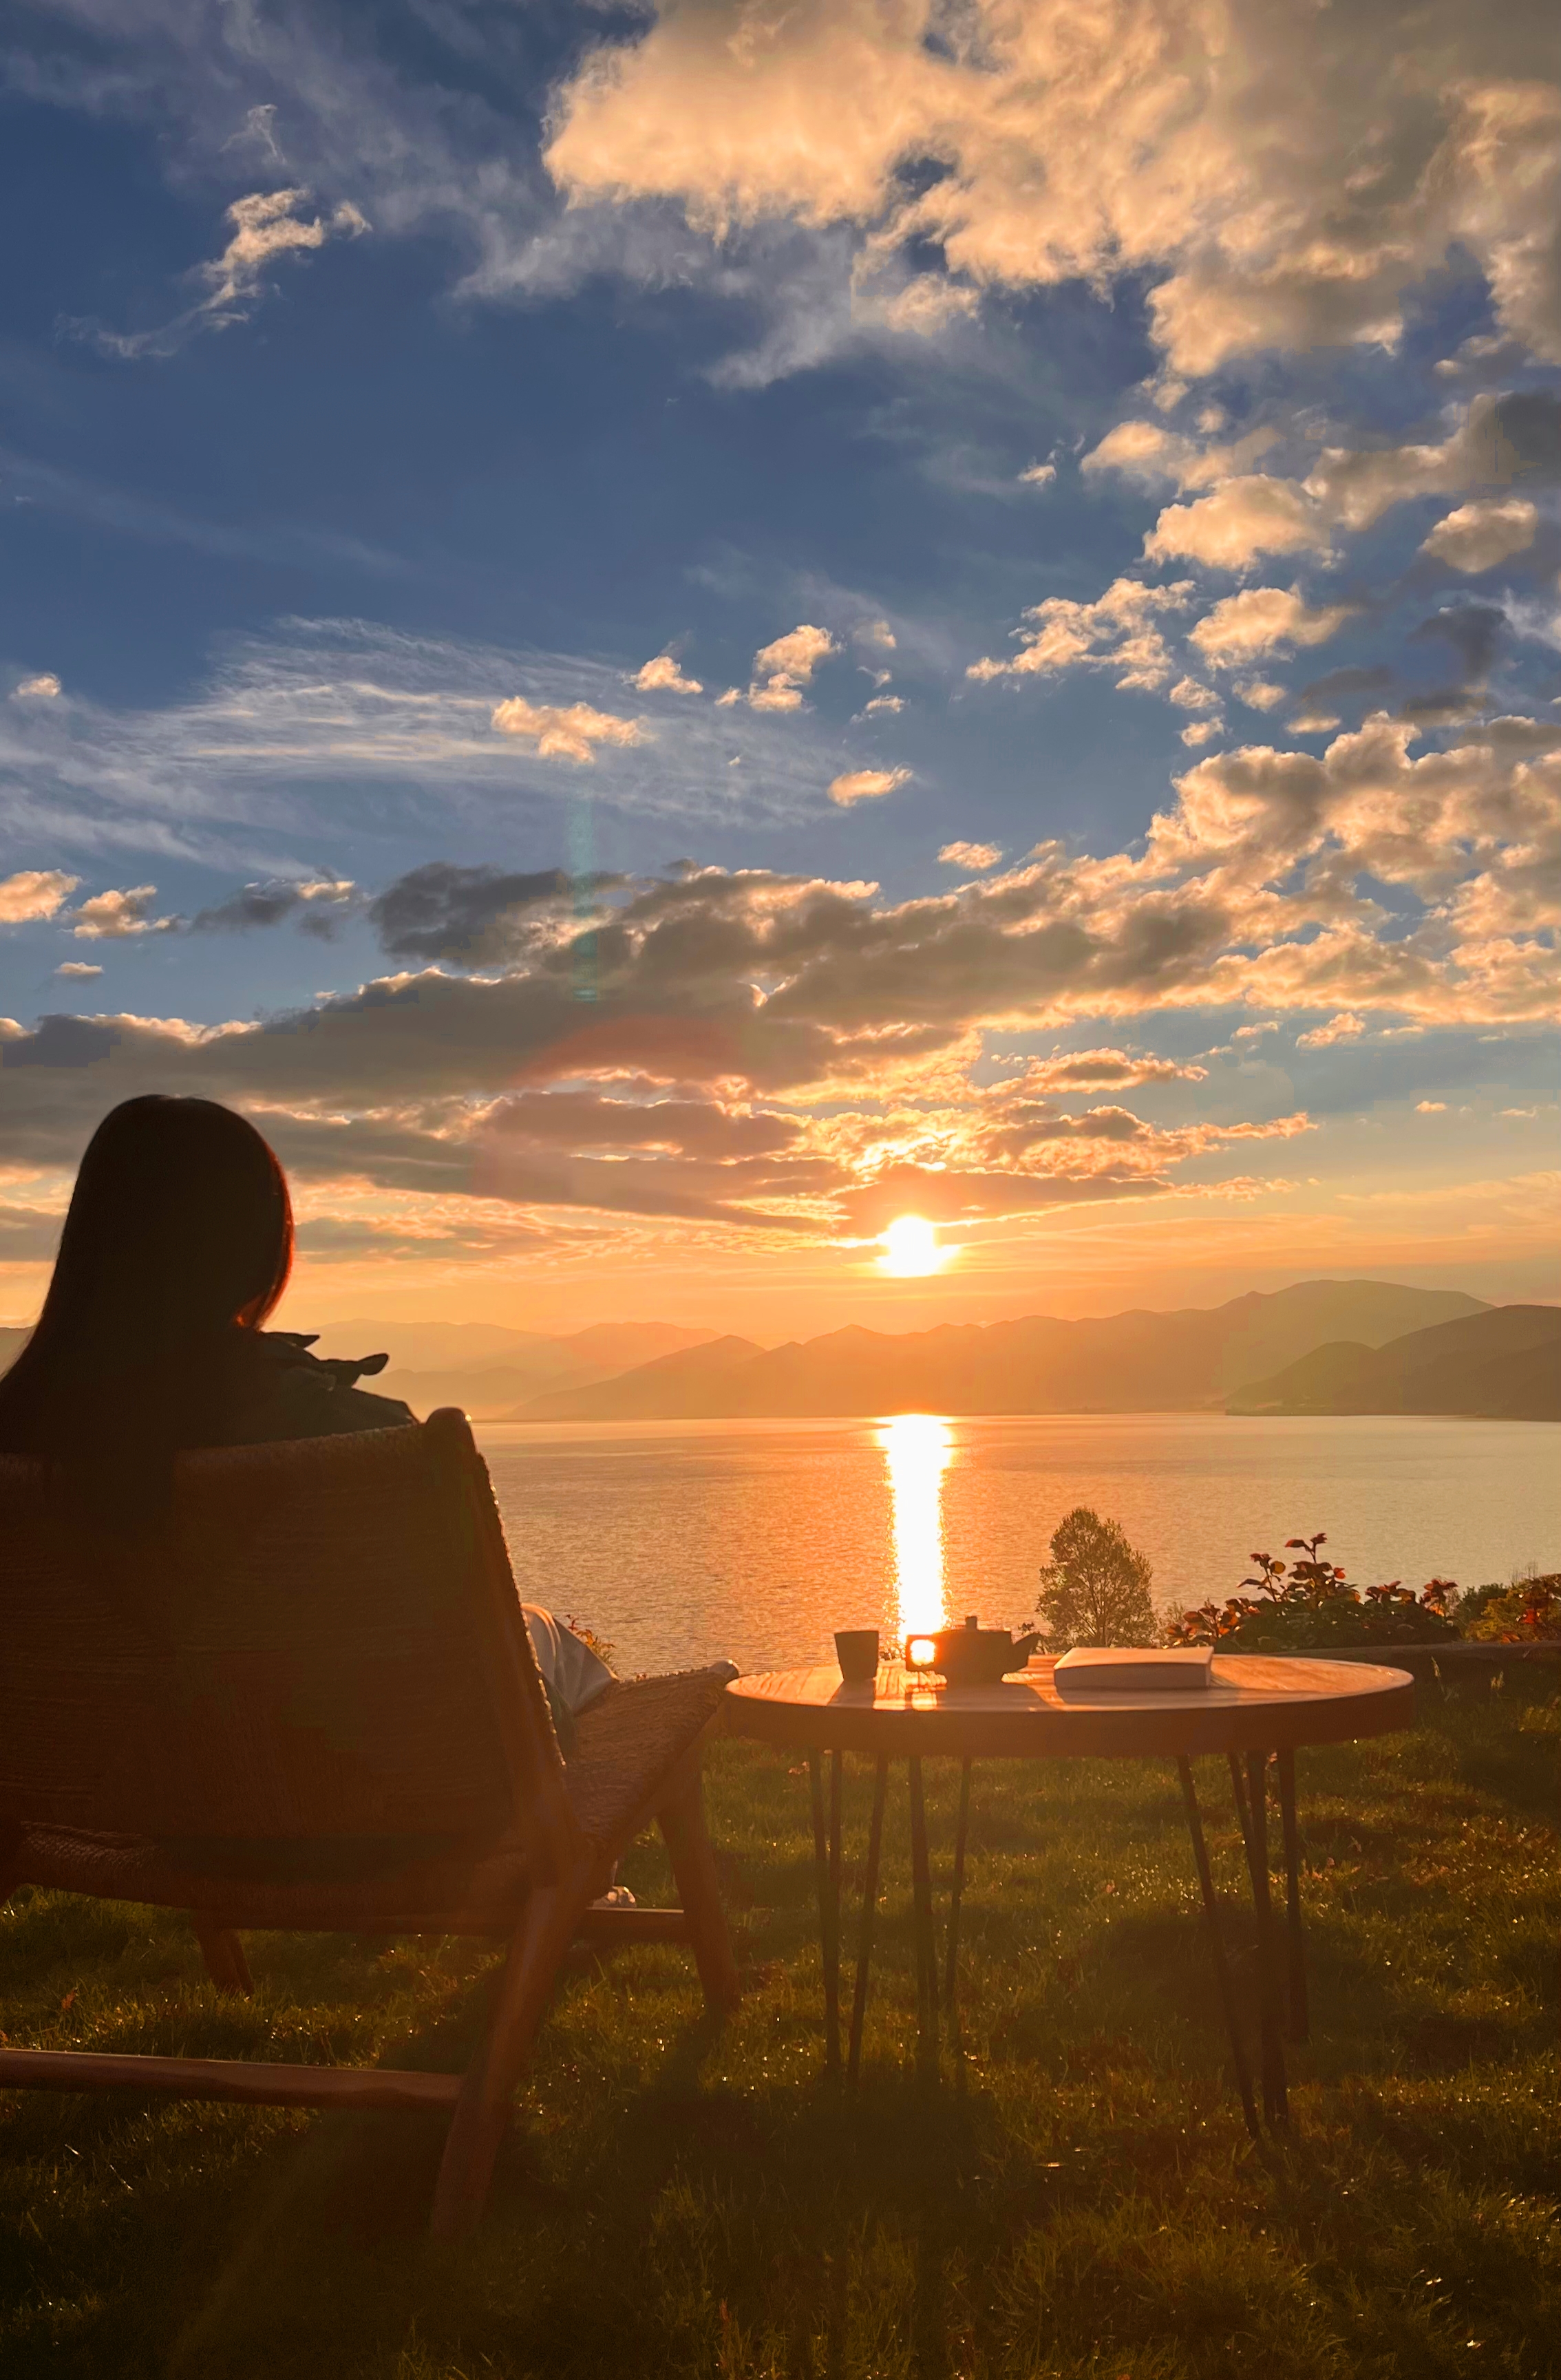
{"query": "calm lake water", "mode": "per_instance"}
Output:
(684, 1541)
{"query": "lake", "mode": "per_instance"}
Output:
(682, 1541)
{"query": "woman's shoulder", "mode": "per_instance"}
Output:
(283, 1390)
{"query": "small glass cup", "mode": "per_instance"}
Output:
(856, 1650)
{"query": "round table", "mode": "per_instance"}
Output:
(1253, 1707)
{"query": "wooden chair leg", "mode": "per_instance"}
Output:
(224, 1954)
(482, 2111)
(682, 1821)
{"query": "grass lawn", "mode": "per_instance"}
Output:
(675, 2200)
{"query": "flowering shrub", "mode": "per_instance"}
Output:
(1527, 1612)
(1314, 1608)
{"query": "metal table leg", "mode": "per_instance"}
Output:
(869, 1911)
(951, 1972)
(1221, 1965)
(1276, 2106)
(826, 1864)
(1239, 1789)
(1300, 2018)
(926, 1947)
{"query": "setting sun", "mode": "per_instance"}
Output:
(910, 1247)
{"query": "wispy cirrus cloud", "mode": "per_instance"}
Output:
(225, 776)
(263, 227)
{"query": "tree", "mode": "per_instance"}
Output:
(1095, 1589)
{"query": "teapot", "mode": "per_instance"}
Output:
(973, 1656)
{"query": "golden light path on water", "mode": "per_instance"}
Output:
(917, 1448)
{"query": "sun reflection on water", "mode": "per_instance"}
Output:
(917, 1448)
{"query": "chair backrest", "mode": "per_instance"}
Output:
(325, 1640)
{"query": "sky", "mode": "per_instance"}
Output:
(661, 634)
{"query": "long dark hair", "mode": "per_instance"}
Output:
(179, 1237)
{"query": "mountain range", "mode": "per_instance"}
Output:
(1138, 1362)
(1316, 1347)
(492, 1372)
(1502, 1365)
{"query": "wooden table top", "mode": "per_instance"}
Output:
(1255, 1703)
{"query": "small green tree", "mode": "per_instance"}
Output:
(1095, 1588)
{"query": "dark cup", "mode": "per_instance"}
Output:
(856, 1650)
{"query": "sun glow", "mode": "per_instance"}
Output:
(910, 1247)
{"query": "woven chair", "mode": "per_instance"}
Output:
(312, 1704)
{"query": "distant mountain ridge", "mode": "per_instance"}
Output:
(481, 1366)
(1503, 1365)
(1140, 1361)
(1316, 1347)
(489, 1372)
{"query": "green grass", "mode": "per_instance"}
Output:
(675, 2200)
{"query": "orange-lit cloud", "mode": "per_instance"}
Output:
(570, 732)
(1210, 147)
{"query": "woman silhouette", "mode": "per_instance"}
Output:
(176, 1248)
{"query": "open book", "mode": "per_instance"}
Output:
(1132, 1670)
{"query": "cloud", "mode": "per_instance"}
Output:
(970, 859)
(76, 970)
(1346, 1027)
(225, 775)
(927, 304)
(662, 676)
(882, 705)
(1479, 535)
(1148, 453)
(1259, 693)
(42, 688)
(1272, 178)
(1039, 475)
(265, 226)
(783, 1053)
(1117, 631)
(35, 892)
(1473, 630)
(784, 668)
(479, 916)
(1431, 1107)
(1236, 522)
(1497, 441)
(1189, 695)
(1202, 731)
(266, 538)
(114, 916)
(1263, 620)
(1288, 176)
(318, 904)
(866, 784)
(569, 732)
(1105, 1070)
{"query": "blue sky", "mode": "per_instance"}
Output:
(1153, 416)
